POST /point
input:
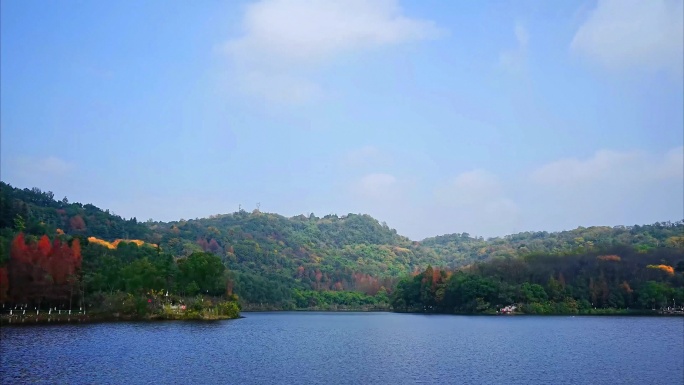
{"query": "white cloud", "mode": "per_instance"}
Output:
(376, 186)
(283, 38)
(673, 164)
(626, 34)
(473, 202)
(615, 166)
(304, 31)
(572, 170)
(515, 60)
(609, 188)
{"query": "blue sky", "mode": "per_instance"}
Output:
(435, 117)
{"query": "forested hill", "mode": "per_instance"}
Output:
(463, 249)
(274, 259)
(38, 212)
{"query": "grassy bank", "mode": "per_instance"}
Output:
(127, 307)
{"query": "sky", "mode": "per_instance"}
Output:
(435, 117)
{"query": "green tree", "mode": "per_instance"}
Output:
(205, 270)
(531, 293)
(19, 223)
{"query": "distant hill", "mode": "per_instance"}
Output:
(462, 248)
(41, 213)
(270, 255)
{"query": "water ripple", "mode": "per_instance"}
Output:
(350, 348)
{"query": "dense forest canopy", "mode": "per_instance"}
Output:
(323, 262)
(588, 282)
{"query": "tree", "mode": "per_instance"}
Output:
(205, 269)
(19, 223)
(653, 294)
(555, 291)
(4, 285)
(532, 293)
(77, 223)
(43, 270)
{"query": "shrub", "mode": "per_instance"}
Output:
(229, 309)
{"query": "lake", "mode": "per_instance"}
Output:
(350, 348)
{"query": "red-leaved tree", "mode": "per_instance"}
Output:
(43, 270)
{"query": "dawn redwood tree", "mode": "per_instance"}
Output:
(4, 285)
(42, 270)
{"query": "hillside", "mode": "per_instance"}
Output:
(461, 249)
(268, 255)
(626, 281)
(272, 259)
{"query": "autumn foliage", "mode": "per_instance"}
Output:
(4, 284)
(113, 245)
(43, 270)
(625, 286)
(77, 223)
(668, 269)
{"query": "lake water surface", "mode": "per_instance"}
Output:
(350, 348)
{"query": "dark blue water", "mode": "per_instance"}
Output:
(351, 348)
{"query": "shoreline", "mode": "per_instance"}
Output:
(630, 313)
(27, 320)
(347, 310)
(636, 313)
